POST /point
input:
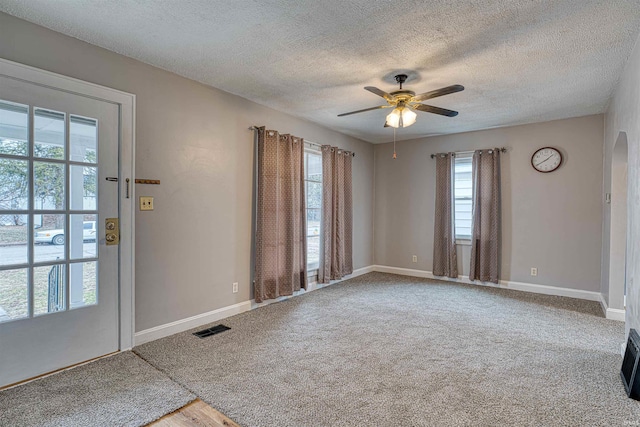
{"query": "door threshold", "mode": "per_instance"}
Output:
(47, 374)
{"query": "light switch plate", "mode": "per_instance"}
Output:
(146, 203)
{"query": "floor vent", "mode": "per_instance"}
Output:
(211, 331)
(629, 371)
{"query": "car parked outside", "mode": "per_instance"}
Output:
(56, 237)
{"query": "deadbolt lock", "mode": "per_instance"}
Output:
(112, 227)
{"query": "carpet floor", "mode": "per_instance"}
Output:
(120, 390)
(388, 350)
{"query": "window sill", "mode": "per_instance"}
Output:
(463, 242)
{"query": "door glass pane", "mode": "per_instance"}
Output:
(48, 289)
(49, 237)
(314, 194)
(48, 182)
(48, 134)
(83, 232)
(313, 252)
(83, 187)
(83, 139)
(14, 129)
(13, 239)
(14, 184)
(14, 294)
(84, 284)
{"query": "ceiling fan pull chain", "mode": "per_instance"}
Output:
(394, 144)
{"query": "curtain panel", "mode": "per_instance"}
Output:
(337, 215)
(487, 222)
(281, 248)
(445, 257)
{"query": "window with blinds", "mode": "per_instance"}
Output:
(463, 193)
(313, 190)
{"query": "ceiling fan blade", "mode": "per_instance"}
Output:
(438, 92)
(362, 111)
(380, 92)
(435, 110)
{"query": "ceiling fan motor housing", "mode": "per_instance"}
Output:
(403, 95)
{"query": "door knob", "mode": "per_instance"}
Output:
(112, 227)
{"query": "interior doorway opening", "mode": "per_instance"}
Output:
(618, 233)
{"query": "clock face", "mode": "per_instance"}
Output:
(546, 159)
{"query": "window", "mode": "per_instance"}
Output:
(313, 191)
(463, 193)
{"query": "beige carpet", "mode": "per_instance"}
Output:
(120, 390)
(386, 350)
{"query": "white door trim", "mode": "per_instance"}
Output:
(127, 105)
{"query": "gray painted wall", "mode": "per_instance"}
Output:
(623, 115)
(194, 138)
(550, 221)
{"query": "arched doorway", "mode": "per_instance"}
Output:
(618, 231)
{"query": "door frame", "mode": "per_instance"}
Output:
(127, 106)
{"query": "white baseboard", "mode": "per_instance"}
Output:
(314, 286)
(182, 325)
(506, 284)
(167, 329)
(611, 313)
(615, 314)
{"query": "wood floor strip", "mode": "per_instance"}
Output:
(195, 414)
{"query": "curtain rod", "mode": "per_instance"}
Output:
(502, 150)
(254, 128)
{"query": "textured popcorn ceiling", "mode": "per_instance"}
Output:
(521, 61)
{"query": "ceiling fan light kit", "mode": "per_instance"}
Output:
(404, 102)
(401, 117)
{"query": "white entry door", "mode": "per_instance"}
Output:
(58, 275)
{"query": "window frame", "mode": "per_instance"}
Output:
(312, 269)
(462, 239)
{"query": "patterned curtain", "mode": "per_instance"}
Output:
(445, 257)
(337, 215)
(281, 246)
(486, 234)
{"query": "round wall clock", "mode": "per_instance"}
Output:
(546, 159)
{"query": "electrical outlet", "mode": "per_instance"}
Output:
(415, 258)
(534, 271)
(235, 287)
(146, 203)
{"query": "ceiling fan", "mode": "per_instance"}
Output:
(405, 101)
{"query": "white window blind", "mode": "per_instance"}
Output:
(463, 192)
